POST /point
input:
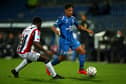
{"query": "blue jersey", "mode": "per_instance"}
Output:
(65, 24)
(66, 40)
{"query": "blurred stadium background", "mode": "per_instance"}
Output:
(108, 16)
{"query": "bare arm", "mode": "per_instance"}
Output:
(85, 29)
(39, 46)
(55, 30)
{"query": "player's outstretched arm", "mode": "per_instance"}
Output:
(55, 30)
(39, 46)
(85, 29)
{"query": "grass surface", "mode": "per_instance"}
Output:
(34, 73)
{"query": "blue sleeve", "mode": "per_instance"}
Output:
(58, 22)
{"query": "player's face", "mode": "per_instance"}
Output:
(39, 25)
(83, 17)
(69, 12)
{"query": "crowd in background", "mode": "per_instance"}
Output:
(8, 44)
(114, 51)
(114, 43)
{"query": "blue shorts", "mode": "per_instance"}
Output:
(65, 45)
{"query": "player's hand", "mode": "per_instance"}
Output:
(58, 32)
(90, 32)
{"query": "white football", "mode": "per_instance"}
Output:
(91, 71)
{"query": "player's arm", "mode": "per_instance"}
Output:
(40, 47)
(56, 25)
(85, 29)
(36, 42)
(82, 27)
(55, 30)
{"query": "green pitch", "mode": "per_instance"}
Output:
(34, 73)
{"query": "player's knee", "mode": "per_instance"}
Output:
(82, 51)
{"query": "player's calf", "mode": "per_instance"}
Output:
(49, 67)
(15, 71)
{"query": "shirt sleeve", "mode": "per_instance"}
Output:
(58, 22)
(37, 36)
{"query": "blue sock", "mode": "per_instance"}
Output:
(82, 60)
(55, 60)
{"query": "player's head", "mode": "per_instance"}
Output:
(37, 21)
(83, 17)
(68, 10)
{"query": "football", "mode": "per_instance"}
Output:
(91, 71)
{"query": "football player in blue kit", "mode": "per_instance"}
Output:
(66, 39)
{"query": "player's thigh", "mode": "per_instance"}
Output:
(78, 47)
(32, 56)
(74, 44)
(63, 49)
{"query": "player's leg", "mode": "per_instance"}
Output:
(49, 66)
(42, 58)
(33, 56)
(57, 59)
(74, 55)
(22, 65)
(16, 70)
(61, 54)
(82, 54)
